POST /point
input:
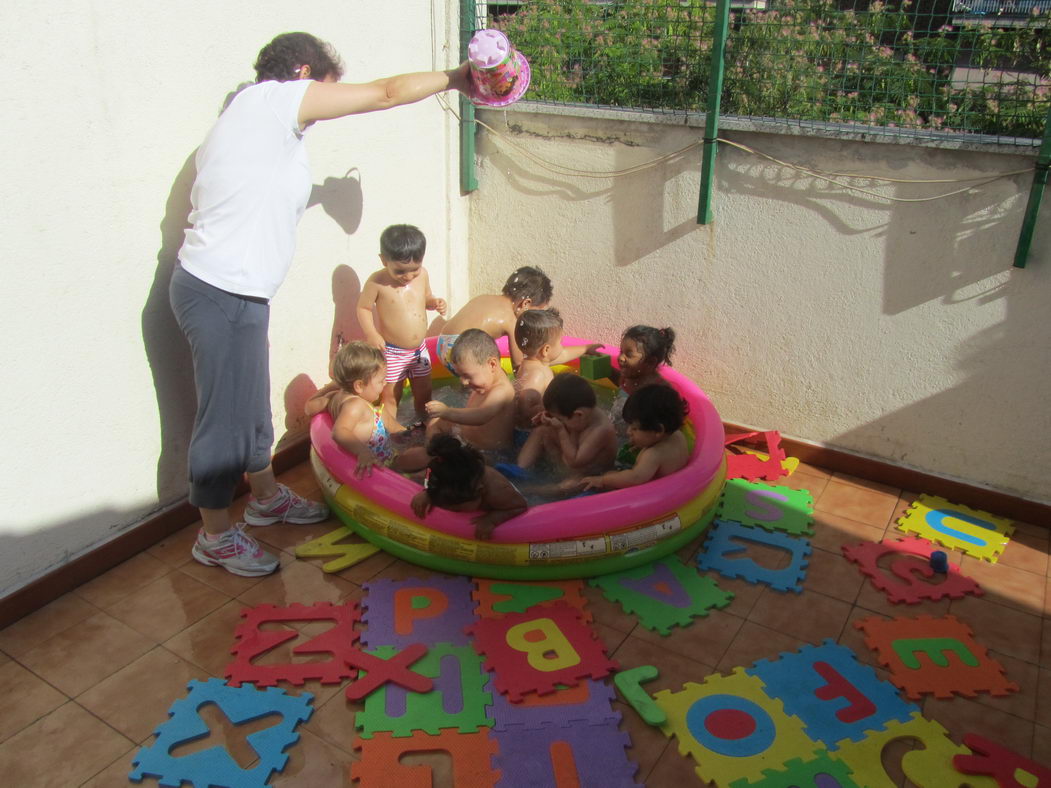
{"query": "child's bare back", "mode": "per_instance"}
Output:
(655, 415)
(531, 381)
(495, 314)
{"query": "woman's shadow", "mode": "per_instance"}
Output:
(167, 351)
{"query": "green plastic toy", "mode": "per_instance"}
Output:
(595, 366)
(629, 682)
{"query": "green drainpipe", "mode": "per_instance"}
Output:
(711, 120)
(1036, 196)
(468, 178)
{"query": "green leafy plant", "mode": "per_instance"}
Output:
(807, 60)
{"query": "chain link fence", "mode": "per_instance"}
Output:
(910, 69)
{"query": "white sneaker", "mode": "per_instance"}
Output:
(285, 507)
(235, 551)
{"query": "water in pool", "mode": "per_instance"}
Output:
(452, 393)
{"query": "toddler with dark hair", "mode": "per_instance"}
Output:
(642, 351)
(496, 314)
(487, 421)
(655, 415)
(392, 311)
(538, 333)
(571, 431)
(458, 479)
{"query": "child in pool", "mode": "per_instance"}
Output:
(392, 311)
(571, 431)
(459, 480)
(526, 288)
(642, 350)
(487, 421)
(655, 414)
(538, 333)
(358, 426)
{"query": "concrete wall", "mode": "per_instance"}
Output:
(104, 107)
(895, 330)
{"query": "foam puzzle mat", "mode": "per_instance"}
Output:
(458, 699)
(957, 527)
(253, 642)
(537, 650)
(767, 506)
(725, 552)
(215, 765)
(507, 680)
(664, 594)
(907, 578)
(937, 656)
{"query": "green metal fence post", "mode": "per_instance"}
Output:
(711, 120)
(1036, 196)
(468, 177)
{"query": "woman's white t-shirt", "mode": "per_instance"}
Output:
(252, 186)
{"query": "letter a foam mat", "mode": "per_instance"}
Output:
(663, 594)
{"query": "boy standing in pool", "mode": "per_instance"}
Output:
(392, 311)
(487, 421)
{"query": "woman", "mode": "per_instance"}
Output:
(252, 185)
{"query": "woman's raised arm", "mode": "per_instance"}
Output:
(328, 100)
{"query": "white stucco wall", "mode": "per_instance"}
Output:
(895, 330)
(104, 106)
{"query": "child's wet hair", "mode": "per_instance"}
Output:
(566, 392)
(476, 345)
(656, 407)
(657, 343)
(534, 327)
(528, 282)
(401, 243)
(454, 474)
(356, 360)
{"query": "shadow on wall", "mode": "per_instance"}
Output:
(958, 253)
(341, 199)
(48, 546)
(993, 416)
(638, 219)
(346, 287)
(167, 351)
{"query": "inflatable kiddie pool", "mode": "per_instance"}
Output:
(579, 537)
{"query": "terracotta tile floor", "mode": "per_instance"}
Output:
(88, 677)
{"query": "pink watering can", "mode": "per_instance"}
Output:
(499, 72)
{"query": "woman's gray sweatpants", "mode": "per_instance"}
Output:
(233, 431)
